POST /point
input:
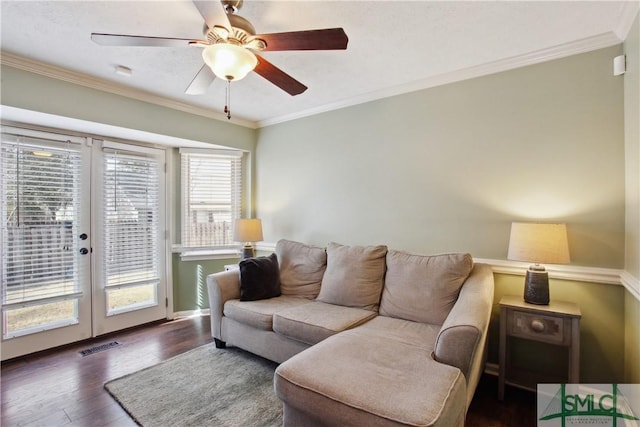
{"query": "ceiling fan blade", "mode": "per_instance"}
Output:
(326, 39)
(213, 13)
(278, 77)
(201, 81)
(124, 40)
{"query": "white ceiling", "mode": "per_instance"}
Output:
(394, 46)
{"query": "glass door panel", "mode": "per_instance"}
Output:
(45, 260)
(130, 278)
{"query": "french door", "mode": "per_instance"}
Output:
(82, 244)
(129, 247)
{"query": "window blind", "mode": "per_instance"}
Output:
(130, 220)
(40, 182)
(211, 198)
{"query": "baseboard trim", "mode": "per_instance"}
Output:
(492, 369)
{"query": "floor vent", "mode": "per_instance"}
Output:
(99, 348)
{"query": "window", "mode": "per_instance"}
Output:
(211, 200)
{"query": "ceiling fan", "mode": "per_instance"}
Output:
(229, 51)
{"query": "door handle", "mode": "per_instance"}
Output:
(83, 236)
(84, 251)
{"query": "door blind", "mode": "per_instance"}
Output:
(131, 226)
(211, 198)
(40, 184)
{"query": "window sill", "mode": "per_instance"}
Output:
(208, 255)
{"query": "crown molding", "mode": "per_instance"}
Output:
(600, 41)
(560, 51)
(628, 15)
(63, 74)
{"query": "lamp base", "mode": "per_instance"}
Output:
(536, 286)
(248, 252)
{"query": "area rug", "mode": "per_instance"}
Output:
(204, 387)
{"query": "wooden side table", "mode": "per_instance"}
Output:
(557, 323)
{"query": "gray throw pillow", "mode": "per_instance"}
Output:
(354, 276)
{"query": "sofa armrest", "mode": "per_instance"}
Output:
(461, 341)
(222, 287)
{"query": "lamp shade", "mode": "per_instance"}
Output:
(247, 230)
(229, 61)
(539, 243)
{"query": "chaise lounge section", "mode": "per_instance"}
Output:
(364, 335)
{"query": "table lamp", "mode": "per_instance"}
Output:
(538, 243)
(247, 231)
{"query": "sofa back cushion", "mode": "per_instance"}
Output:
(301, 268)
(354, 276)
(423, 288)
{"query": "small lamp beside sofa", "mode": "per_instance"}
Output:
(247, 231)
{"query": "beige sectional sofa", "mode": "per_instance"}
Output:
(364, 335)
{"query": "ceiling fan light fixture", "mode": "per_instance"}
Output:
(229, 61)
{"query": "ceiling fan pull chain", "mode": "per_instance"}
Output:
(227, 107)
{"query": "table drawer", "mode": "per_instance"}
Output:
(538, 327)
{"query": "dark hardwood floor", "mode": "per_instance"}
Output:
(517, 410)
(62, 388)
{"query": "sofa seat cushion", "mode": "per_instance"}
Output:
(423, 288)
(355, 379)
(394, 331)
(259, 314)
(312, 323)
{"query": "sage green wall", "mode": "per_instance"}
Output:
(632, 147)
(632, 144)
(449, 168)
(632, 339)
(191, 291)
